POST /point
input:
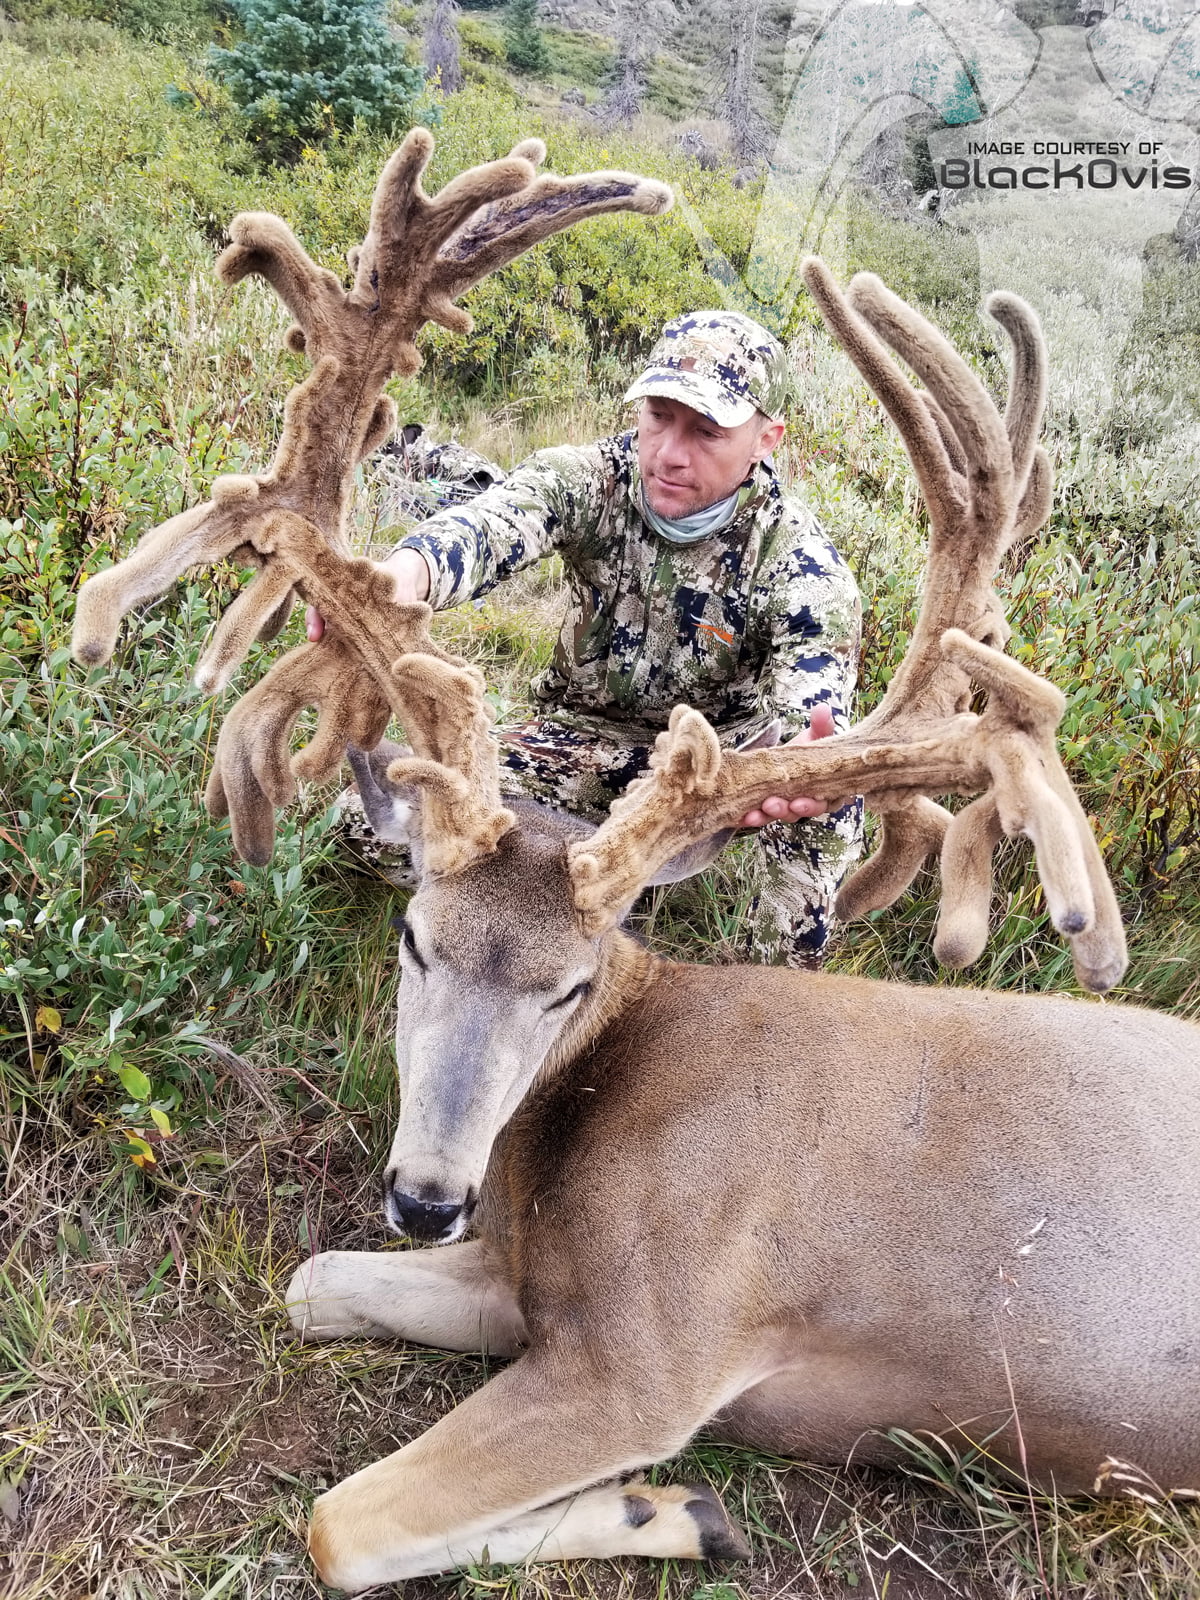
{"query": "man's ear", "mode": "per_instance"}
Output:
(768, 439)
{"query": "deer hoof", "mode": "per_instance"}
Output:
(719, 1538)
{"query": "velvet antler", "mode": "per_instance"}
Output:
(986, 482)
(419, 254)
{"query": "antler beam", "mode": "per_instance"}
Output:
(420, 252)
(985, 482)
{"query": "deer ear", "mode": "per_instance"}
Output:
(389, 807)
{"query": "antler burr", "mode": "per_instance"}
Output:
(420, 252)
(985, 482)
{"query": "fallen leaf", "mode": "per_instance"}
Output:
(10, 1501)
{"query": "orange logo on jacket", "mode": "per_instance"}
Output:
(722, 633)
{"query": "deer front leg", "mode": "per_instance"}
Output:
(501, 1477)
(453, 1298)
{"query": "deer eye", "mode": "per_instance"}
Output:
(577, 993)
(408, 943)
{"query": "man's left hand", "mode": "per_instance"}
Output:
(776, 809)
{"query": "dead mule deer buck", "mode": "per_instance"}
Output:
(797, 1210)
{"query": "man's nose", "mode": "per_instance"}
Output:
(673, 447)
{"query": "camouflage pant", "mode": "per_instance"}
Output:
(795, 867)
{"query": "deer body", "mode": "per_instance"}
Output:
(854, 1182)
(798, 1210)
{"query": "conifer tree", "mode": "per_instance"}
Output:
(525, 44)
(306, 67)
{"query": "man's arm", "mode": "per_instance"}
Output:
(810, 676)
(460, 553)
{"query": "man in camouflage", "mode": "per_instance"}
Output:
(693, 578)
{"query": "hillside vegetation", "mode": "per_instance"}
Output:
(194, 1073)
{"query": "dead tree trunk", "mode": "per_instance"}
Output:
(442, 67)
(745, 139)
(627, 94)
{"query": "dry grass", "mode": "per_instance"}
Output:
(166, 1433)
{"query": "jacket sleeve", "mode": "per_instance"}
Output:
(815, 632)
(551, 502)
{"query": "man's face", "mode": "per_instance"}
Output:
(688, 462)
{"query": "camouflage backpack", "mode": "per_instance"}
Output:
(414, 475)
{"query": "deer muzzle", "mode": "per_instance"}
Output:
(427, 1217)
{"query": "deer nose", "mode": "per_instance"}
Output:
(421, 1219)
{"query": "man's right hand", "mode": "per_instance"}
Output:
(410, 571)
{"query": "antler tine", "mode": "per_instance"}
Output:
(550, 204)
(1028, 381)
(911, 829)
(955, 454)
(371, 631)
(966, 541)
(408, 226)
(456, 765)
(1037, 499)
(943, 490)
(963, 399)
(255, 609)
(253, 769)
(264, 246)
(922, 740)
(162, 555)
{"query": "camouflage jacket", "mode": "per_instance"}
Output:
(758, 620)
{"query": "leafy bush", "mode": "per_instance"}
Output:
(127, 932)
(593, 298)
(583, 59)
(306, 69)
(480, 41)
(168, 21)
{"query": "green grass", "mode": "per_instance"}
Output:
(163, 1432)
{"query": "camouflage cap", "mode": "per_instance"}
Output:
(720, 363)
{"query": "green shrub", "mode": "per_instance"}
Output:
(584, 59)
(167, 21)
(128, 935)
(480, 41)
